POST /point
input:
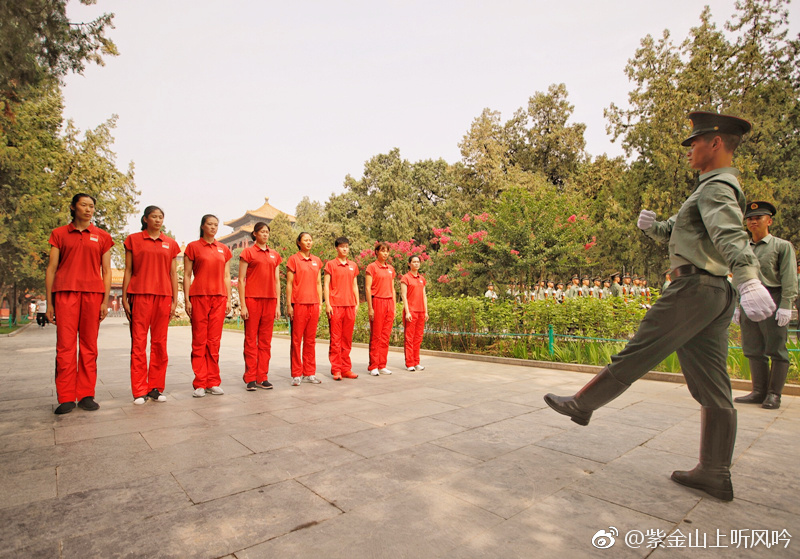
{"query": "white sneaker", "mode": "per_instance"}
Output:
(420, 368)
(385, 371)
(216, 390)
(374, 372)
(312, 379)
(140, 400)
(199, 392)
(411, 369)
(295, 381)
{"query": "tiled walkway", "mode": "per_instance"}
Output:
(461, 460)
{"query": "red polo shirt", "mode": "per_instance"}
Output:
(415, 291)
(341, 285)
(261, 266)
(80, 258)
(208, 267)
(152, 263)
(382, 280)
(306, 272)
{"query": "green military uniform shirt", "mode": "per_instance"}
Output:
(777, 265)
(616, 290)
(708, 231)
(571, 292)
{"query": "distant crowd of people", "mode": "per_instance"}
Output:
(625, 286)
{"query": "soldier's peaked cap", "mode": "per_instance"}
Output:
(704, 122)
(759, 208)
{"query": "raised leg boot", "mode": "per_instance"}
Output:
(717, 437)
(759, 374)
(777, 378)
(598, 392)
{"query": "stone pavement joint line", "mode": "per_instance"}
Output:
(462, 460)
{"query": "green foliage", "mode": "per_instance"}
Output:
(41, 168)
(540, 140)
(90, 166)
(38, 43)
(31, 203)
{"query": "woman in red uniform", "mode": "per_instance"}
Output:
(341, 305)
(207, 303)
(259, 292)
(149, 297)
(381, 301)
(415, 312)
(78, 281)
(303, 300)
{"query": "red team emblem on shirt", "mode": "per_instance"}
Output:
(93, 237)
(164, 245)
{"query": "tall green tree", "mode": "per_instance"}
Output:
(39, 43)
(31, 155)
(90, 166)
(41, 168)
(540, 140)
(749, 68)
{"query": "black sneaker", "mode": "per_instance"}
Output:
(88, 404)
(266, 385)
(64, 407)
(251, 386)
(156, 395)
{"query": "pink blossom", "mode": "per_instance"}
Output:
(443, 279)
(482, 217)
(456, 243)
(465, 218)
(464, 274)
(515, 252)
(572, 218)
(444, 239)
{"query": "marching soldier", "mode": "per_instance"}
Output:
(706, 239)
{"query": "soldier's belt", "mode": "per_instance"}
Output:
(688, 270)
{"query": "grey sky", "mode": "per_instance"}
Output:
(223, 103)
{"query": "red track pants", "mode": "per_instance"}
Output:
(149, 312)
(304, 332)
(258, 337)
(341, 327)
(413, 331)
(208, 316)
(380, 330)
(77, 317)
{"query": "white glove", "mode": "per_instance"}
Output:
(646, 220)
(755, 300)
(783, 316)
(737, 315)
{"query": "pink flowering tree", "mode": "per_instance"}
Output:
(399, 253)
(519, 238)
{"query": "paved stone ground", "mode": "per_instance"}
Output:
(463, 460)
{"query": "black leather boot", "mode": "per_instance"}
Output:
(759, 374)
(777, 378)
(717, 437)
(598, 392)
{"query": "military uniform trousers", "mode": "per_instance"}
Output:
(691, 318)
(765, 339)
